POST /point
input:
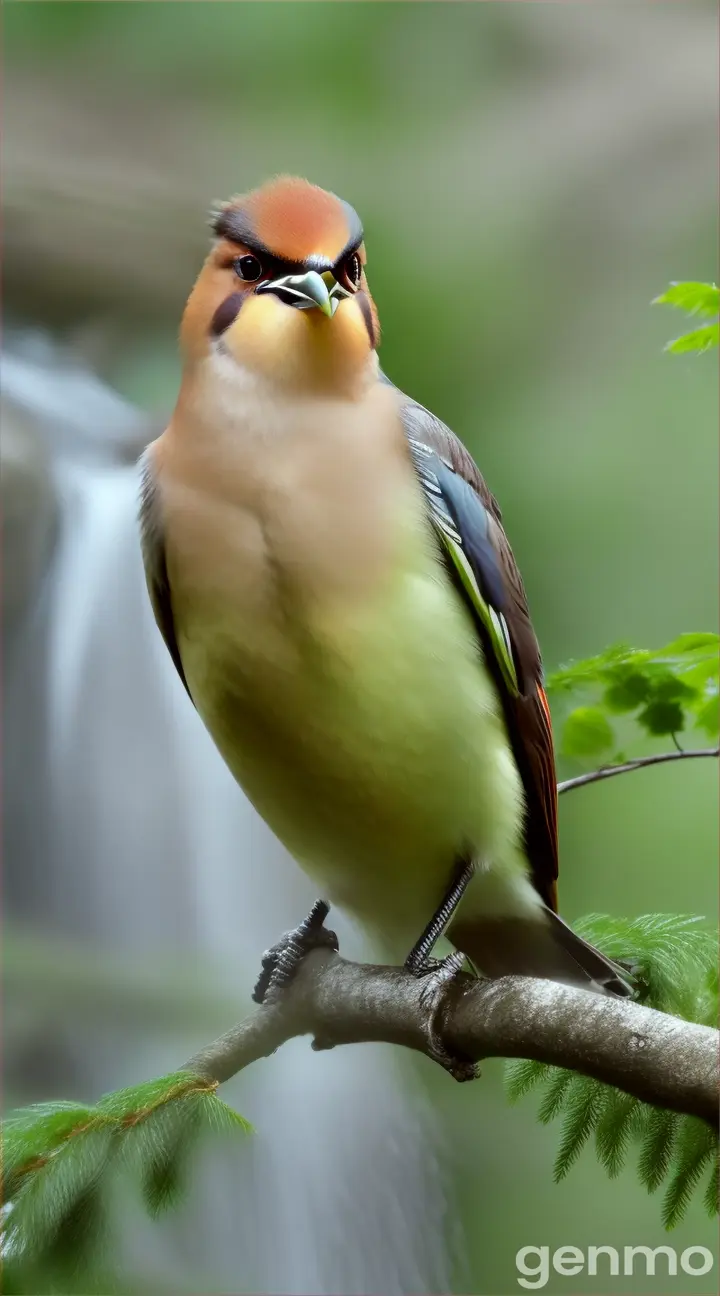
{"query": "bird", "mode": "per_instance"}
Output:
(332, 579)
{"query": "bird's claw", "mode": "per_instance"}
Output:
(281, 962)
(438, 975)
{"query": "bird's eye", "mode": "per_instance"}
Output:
(350, 271)
(248, 268)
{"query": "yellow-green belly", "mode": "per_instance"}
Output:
(370, 741)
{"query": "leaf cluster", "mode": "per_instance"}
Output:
(674, 963)
(665, 692)
(58, 1160)
(701, 299)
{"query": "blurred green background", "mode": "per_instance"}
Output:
(530, 176)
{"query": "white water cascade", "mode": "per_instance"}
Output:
(128, 833)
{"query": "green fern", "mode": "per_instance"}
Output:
(525, 1075)
(582, 1110)
(674, 962)
(614, 1130)
(58, 1159)
(660, 1135)
(558, 1093)
(695, 1150)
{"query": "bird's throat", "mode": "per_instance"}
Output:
(303, 350)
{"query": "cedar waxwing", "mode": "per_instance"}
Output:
(334, 585)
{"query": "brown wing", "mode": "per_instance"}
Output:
(477, 519)
(153, 552)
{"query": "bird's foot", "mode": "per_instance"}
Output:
(438, 975)
(281, 962)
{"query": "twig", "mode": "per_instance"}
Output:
(609, 771)
(653, 1056)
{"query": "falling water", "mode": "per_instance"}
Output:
(135, 838)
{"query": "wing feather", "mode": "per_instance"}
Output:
(153, 551)
(466, 514)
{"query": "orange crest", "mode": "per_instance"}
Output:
(291, 218)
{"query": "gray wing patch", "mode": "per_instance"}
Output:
(153, 551)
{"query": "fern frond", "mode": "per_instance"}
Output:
(557, 1093)
(658, 1141)
(58, 1199)
(581, 1114)
(615, 1128)
(57, 1159)
(521, 1076)
(29, 1136)
(674, 966)
(696, 1146)
(671, 954)
(710, 1198)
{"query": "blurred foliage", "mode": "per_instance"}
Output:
(663, 691)
(694, 299)
(674, 965)
(58, 1159)
(64, 979)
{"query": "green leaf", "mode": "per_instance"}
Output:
(662, 718)
(693, 642)
(590, 670)
(708, 716)
(702, 673)
(698, 340)
(666, 689)
(664, 712)
(629, 690)
(693, 298)
(587, 732)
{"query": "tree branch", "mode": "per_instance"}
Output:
(609, 771)
(653, 1056)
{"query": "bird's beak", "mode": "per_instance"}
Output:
(305, 291)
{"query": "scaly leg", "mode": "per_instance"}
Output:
(418, 961)
(442, 972)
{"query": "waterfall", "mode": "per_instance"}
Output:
(127, 832)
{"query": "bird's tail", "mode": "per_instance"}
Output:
(542, 946)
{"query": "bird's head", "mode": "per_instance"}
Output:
(283, 291)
